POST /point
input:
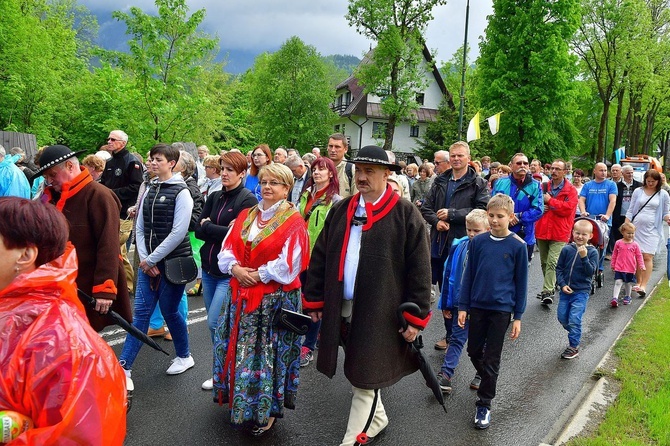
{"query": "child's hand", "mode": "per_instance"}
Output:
(461, 318)
(582, 251)
(516, 329)
(566, 289)
(447, 314)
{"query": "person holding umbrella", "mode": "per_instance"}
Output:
(377, 229)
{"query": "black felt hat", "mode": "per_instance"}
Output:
(374, 155)
(54, 155)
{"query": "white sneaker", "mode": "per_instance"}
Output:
(180, 365)
(208, 385)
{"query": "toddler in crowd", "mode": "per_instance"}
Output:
(626, 258)
(576, 266)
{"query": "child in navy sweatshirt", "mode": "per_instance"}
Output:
(493, 288)
(574, 272)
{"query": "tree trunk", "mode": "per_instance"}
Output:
(601, 131)
(649, 126)
(617, 122)
(390, 131)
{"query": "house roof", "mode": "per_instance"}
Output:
(359, 105)
(421, 114)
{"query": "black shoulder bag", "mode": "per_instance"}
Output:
(640, 210)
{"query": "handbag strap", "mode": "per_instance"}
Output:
(313, 208)
(640, 210)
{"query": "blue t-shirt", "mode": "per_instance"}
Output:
(598, 196)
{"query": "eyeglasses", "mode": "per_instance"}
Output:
(113, 139)
(258, 155)
(272, 183)
(521, 163)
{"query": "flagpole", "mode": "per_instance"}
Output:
(465, 54)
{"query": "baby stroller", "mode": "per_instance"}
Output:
(600, 239)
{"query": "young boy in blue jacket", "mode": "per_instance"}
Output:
(493, 288)
(576, 266)
(476, 222)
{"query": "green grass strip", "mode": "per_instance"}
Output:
(641, 413)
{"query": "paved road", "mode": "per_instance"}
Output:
(534, 388)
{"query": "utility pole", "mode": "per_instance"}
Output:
(465, 57)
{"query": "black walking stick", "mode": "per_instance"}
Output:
(131, 329)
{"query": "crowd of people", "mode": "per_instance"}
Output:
(292, 257)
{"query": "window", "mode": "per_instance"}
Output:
(342, 129)
(347, 98)
(414, 131)
(378, 129)
(420, 98)
(337, 128)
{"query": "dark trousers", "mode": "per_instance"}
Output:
(437, 269)
(487, 328)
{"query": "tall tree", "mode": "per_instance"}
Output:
(525, 68)
(290, 96)
(396, 72)
(171, 62)
(604, 42)
(41, 61)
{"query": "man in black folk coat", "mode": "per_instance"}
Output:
(371, 256)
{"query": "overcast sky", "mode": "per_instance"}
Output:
(263, 25)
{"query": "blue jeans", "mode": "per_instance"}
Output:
(214, 293)
(571, 308)
(168, 296)
(157, 321)
(459, 337)
(312, 335)
(450, 323)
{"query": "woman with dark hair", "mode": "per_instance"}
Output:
(220, 211)
(261, 156)
(649, 208)
(47, 342)
(315, 203)
(163, 216)
(577, 176)
(256, 362)
(422, 185)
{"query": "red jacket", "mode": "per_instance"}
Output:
(54, 368)
(559, 214)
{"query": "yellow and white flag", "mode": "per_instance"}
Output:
(494, 123)
(473, 128)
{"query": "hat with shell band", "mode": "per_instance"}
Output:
(374, 155)
(54, 155)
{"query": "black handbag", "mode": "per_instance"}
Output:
(181, 270)
(293, 321)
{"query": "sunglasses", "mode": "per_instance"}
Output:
(113, 139)
(521, 163)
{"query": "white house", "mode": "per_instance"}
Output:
(362, 121)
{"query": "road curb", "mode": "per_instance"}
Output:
(595, 395)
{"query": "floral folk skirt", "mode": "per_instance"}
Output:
(266, 366)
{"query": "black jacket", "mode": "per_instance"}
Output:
(198, 203)
(471, 194)
(221, 208)
(123, 175)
